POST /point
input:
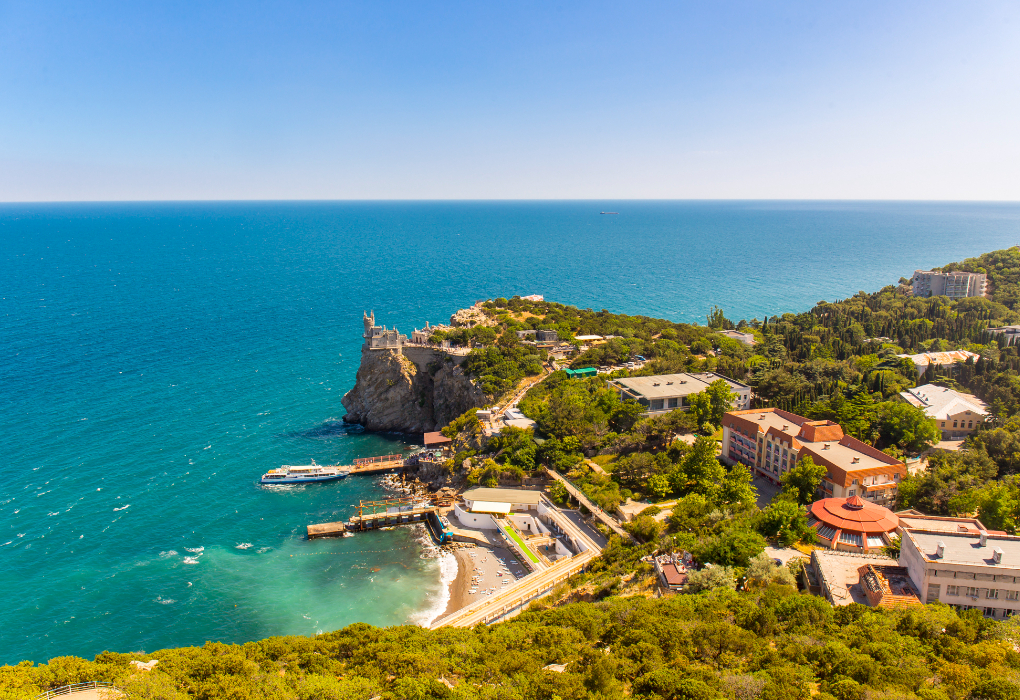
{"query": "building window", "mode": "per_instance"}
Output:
(989, 612)
(943, 424)
(970, 424)
(952, 590)
(992, 593)
(670, 403)
(851, 492)
(972, 592)
(1012, 595)
(954, 423)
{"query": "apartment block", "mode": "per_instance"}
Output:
(770, 441)
(955, 285)
(966, 569)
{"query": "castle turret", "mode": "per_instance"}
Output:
(369, 322)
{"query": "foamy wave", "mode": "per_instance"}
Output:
(164, 601)
(447, 575)
(244, 545)
(190, 560)
(194, 549)
(55, 513)
(263, 550)
(168, 553)
(122, 507)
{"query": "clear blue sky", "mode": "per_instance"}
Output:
(267, 100)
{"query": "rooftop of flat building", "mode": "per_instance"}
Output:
(967, 548)
(503, 495)
(666, 385)
(941, 358)
(839, 573)
(847, 457)
(940, 402)
(915, 520)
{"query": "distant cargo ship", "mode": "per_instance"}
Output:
(303, 474)
(609, 212)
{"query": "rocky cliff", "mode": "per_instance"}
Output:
(411, 390)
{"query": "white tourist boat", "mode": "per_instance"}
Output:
(313, 472)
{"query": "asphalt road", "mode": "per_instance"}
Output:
(578, 520)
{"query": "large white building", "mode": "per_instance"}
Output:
(666, 392)
(957, 415)
(965, 569)
(955, 285)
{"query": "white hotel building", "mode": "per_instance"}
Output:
(965, 569)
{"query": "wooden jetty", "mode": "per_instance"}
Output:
(393, 511)
(326, 530)
(374, 465)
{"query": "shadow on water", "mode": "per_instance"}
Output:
(327, 431)
(333, 428)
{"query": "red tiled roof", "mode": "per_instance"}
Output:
(854, 515)
(673, 576)
(436, 439)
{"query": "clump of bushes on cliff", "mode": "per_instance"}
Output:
(769, 644)
(498, 368)
(463, 427)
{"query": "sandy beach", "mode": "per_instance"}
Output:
(481, 569)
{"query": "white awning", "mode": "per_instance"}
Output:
(490, 507)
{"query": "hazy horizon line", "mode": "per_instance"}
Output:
(489, 199)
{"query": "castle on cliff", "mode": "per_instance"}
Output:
(378, 338)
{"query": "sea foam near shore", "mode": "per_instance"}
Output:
(436, 604)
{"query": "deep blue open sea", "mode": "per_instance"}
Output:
(155, 359)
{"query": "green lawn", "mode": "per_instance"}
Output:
(517, 538)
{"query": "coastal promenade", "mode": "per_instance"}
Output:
(518, 596)
(576, 493)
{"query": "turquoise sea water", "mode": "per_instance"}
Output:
(155, 359)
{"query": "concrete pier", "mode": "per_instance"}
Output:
(326, 530)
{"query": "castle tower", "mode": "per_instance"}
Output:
(369, 322)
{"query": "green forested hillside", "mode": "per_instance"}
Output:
(770, 644)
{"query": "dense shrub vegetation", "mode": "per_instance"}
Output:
(769, 644)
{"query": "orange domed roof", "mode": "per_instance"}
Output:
(854, 514)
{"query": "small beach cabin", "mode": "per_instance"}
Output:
(436, 440)
(581, 373)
